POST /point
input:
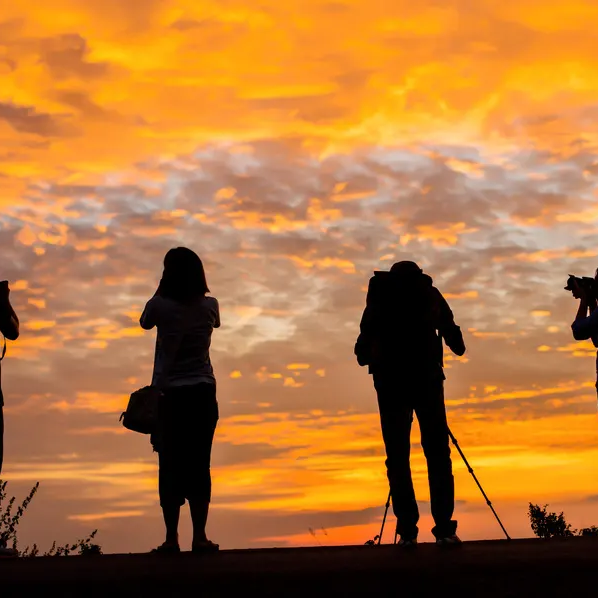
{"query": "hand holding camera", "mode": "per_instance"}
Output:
(582, 287)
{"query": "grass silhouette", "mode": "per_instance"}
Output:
(10, 517)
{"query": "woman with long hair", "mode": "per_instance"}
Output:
(188, 410)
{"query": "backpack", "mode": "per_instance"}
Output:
(400, 322)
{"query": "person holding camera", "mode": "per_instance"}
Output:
(401, 337)
(585, 325)
(9, 326)
(185, 317)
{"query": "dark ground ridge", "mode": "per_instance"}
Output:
(516, 568)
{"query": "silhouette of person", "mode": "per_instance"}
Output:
(585, 325)
(401, 334)
(9, 326)
(188, 410)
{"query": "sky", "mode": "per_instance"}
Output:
(297, 147)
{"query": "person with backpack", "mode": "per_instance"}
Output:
(185, 317)
(401, 338)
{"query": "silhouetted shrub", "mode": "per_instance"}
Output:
(589, 531)
(551, 525)
(548, 525)
(10, 519)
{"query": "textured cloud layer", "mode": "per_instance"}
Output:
(296, 149)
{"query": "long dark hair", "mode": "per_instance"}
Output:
(184, 277)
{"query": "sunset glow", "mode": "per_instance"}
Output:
(297, 147)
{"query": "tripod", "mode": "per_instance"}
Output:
(470, 469)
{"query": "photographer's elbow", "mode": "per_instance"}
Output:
(11, 330)
(579, 335)
(458, 349)
(145, 322)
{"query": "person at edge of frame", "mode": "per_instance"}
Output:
(585, 325)
(9, 327)
(402, 329)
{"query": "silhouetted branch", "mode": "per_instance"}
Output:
(9, 523)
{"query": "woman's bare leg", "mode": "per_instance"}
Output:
(171, 515)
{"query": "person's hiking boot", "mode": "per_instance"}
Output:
(407, 543)
(449, 541)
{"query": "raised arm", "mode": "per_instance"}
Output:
(585, 327)
(216, 313)
(149, 317)
(9, 322)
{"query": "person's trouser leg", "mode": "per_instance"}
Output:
(597, 373)
(2, 544)
(200, 486)
(1, 436)
(171, 498)
(431, 414)
(396, 416)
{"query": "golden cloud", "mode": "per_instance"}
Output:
(112, 95)
(293, 159)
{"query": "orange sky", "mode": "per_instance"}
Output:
(296, 147)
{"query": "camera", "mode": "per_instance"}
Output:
(582, 282)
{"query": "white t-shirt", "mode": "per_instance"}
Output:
(183, 339)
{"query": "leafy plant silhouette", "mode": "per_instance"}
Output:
(550, 525)
(10, 519)
(589, 531)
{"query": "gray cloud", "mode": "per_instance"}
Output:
(26, 119)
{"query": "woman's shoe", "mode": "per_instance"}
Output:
(167, 548)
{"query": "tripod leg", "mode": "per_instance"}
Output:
(470, 469)
(384, 518)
